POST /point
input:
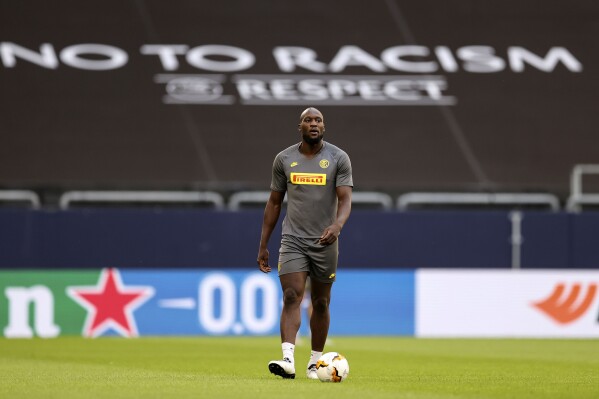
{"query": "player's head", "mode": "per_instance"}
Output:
(311, 126)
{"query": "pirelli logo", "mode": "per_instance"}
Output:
(314, 179)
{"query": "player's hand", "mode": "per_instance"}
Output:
(330, 235)
(263, 261)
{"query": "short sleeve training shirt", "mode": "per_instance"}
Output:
(311, 185)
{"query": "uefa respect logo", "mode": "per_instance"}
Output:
(398, 75)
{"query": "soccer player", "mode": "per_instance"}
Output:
(317, 177)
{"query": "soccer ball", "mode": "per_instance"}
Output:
(332, 367)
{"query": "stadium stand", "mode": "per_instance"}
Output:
(207, 106)
(485, 111)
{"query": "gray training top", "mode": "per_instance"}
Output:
(311, 187)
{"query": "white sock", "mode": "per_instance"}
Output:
(288, 349)
(314, 356)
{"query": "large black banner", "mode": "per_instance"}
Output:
(455, 95)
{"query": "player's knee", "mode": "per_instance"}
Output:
(320, 305)
(291, 297)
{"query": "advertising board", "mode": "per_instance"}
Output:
(488, 303)
(134, 303)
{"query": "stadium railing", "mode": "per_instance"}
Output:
(429, 199)
(372, 199)
(20, 196)
(578, 198)
(243, 199)
(149, 197)
(363, 199)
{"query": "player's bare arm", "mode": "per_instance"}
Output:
(271, 216)
(331, 233)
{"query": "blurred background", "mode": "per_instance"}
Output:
(140, 135)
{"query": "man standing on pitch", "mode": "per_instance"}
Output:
(317, 177)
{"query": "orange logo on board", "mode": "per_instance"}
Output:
(567, 308)
(314, 179)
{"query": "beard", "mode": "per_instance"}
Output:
(313, 140)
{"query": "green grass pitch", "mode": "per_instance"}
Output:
(236, 367)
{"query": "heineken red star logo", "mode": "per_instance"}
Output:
(110, 304)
